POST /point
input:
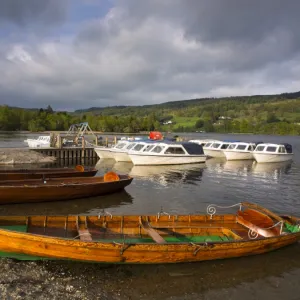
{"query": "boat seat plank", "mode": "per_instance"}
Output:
(153, 233)
(85, 235)
(83, 232)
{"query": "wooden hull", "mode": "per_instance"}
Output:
(45, 173)
(145, 239)
(57, 248)
(59, 189)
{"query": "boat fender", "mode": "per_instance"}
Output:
(79, 168)
(111, 176)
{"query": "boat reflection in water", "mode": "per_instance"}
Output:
(238, 167)
(272, 170)
(93, 205)
(104, 165)
(165, 175)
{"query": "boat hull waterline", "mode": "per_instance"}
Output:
(238, 155)
(213, 153)
(143, 160)
(267, 157)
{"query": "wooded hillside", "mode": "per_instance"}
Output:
(271, 114)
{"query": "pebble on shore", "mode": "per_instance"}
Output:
(11, 156)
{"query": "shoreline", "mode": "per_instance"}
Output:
(13, 156)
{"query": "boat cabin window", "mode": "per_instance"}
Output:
(157, 149)
(224, 146)
(260, 148)
(120, 146)
(271, 149)
(148, 148)
(241, 147)
(174, 150)
(231, 147)
(207, 145)
(138, 147)
(281, 149)
(215, 145)
(250, 148)
(130, 146)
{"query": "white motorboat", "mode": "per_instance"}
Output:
(239, 151)
(109, 152)
(42, 141)
(266, 153)
(215, 148)
(168, 153)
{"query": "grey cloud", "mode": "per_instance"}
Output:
(153, 51)
(24, 12)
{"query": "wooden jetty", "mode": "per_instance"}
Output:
(70, 153)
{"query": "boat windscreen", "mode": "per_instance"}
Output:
(193, 148)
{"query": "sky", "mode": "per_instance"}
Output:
(74, 54)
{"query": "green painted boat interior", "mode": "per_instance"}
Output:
(128, 240)
(171, 239)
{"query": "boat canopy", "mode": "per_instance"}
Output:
(257, 143)
(288, 147)
(193, 148)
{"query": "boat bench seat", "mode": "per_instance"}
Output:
(83, 232)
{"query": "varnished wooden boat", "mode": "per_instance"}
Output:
(56, 189)
(160, 238)
(22, 174)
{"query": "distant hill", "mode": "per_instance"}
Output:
(116, 110)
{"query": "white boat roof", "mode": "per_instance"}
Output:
(270, 144)
(243, 143)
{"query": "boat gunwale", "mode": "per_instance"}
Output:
(70, 184)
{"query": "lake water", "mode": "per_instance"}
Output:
(189, 189)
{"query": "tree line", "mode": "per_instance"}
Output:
(270, 114)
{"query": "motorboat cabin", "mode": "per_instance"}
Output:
(239, 151)
(164, 153)
(216, 148)
(266, 153)
(122, 156)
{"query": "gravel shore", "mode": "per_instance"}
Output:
(274, 275)
(11, 156)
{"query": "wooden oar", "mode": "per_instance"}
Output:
(153, 233)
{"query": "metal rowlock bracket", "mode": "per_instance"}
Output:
(162, 213)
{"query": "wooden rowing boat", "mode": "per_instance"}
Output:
(160, 238)
(22, 174)
(56, 189)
